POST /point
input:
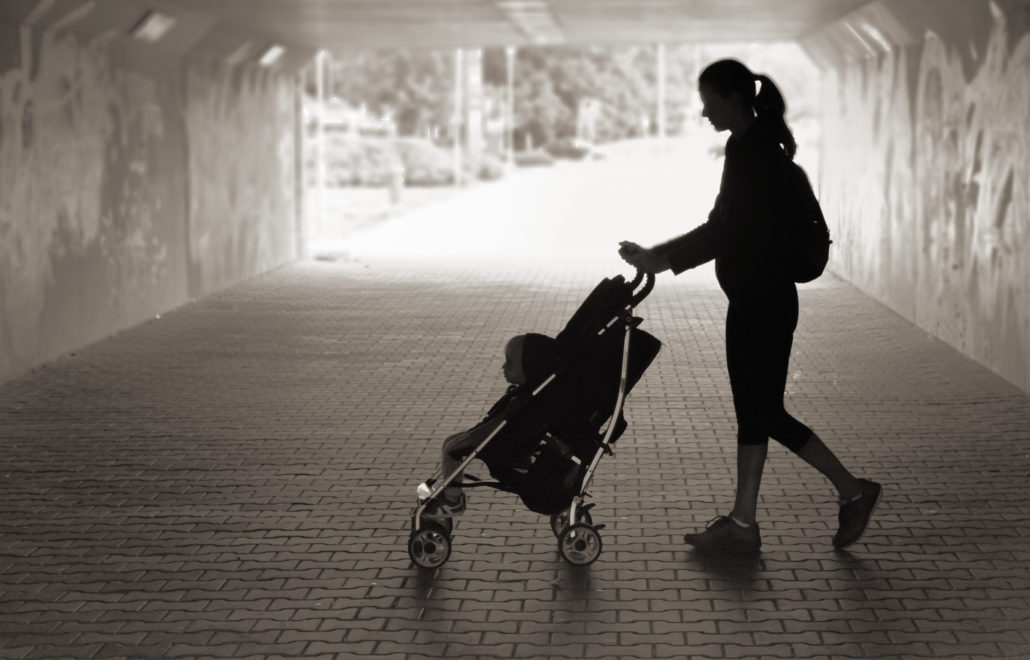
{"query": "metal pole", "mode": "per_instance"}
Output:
(300, 178)
(330, 84)
(697, 72)
(660, 114)
(320, 66)
(509, 123)
(456, 119)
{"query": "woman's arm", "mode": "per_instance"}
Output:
(692, 249)
(699, 245)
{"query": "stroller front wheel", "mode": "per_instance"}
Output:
(580, 544)
(430, 546)
(560, 520)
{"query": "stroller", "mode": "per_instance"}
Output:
(547, 451)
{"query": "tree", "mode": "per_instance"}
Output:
(416, 88)
(413, 88)
(551, 82)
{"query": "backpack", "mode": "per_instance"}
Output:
(806, 238)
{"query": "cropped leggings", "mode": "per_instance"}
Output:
(759, 338)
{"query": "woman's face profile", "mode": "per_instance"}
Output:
(718, 108)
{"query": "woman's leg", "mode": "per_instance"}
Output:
(858, 497)
(750, 462)
(759, 339)
(739, 531)
(818, 455)
(746, 364)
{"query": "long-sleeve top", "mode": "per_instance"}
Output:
(742, 230)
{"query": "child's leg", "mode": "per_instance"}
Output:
(455, 443)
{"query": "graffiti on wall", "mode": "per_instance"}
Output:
(129, 185)
(927, 179)
(75, 136)
(241, 136)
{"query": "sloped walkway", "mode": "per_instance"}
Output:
(234, 480)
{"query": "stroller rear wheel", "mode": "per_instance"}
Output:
(580, 544)
(560, 520)
(430, 546)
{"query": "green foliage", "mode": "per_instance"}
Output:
(550, 84)
(484, 167)
(416, 89)
(357, 161)
(425, 164)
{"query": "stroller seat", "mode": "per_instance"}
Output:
(546, 450)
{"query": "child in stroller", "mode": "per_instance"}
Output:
(545, 437)
(528, 359)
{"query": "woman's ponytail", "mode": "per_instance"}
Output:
(770, 109)
(730, 76)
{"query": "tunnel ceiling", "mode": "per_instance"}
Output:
(345, 25)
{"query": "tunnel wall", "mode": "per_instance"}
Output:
(926, 169)
(131, 181)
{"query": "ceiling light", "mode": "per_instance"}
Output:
(153, 26)
(877, 36)
(239, 55)
(522, 5)
(272, 55)
(870, 51)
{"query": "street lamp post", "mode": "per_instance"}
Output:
(321, 65)
(456, 120)
(660, 110)
(509, 124)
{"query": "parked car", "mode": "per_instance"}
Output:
(569, 148)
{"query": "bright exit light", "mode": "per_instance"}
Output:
(153, 27)
(272, 55)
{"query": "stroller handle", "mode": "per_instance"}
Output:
(643, 293)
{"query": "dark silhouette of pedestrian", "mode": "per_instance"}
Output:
(744, 234)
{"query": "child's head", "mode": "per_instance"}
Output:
(529, 358)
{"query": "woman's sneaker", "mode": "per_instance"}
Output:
(724, 535)
(854, 514)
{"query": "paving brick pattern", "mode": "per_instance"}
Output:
(234, 480)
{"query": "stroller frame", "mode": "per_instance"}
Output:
(429, 544)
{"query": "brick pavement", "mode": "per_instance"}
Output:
(234, 480)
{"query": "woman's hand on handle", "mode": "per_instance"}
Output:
(640, 257)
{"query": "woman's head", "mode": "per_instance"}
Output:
(529, 358)
(728, 94)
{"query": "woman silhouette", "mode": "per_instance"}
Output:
(741, 234)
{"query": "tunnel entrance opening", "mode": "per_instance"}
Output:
(556, 151)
